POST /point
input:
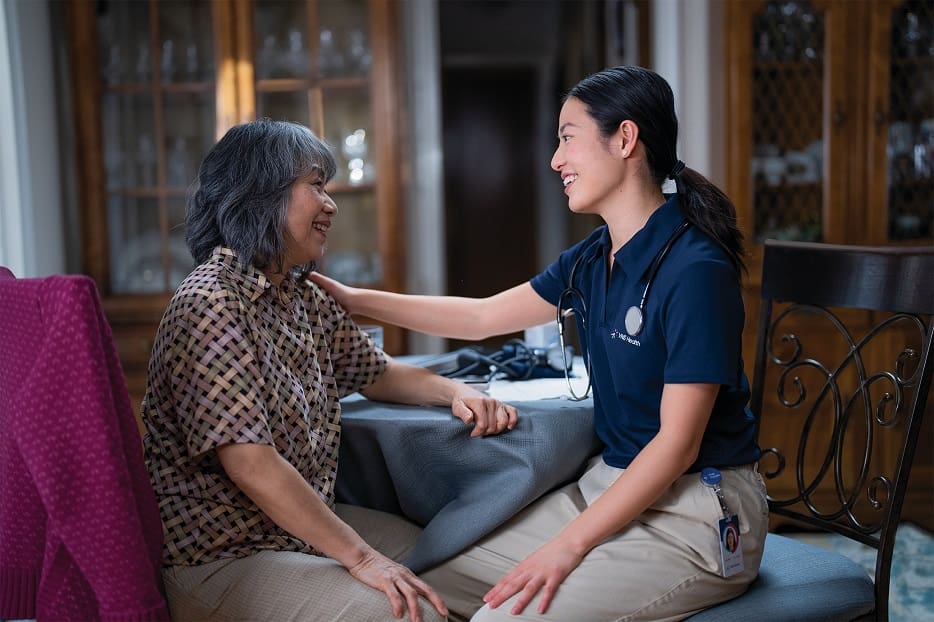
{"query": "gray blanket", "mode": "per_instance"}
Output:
(421, 463)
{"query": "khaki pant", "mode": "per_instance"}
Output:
(282, 586)
(665, 565)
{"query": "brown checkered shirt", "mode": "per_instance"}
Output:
(239, 360)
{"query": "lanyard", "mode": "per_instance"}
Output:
(711, 478)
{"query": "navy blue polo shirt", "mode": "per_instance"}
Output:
(693, 324)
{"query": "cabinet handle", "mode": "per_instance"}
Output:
(839, 117)
(879, 117)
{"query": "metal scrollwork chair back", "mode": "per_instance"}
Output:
(842, 379)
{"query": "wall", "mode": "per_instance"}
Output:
(687, 50)
(424, 201)
(32, 241)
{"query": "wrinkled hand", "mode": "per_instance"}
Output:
(399, 584)
(343, 294)
(542, 571)
(489, 416)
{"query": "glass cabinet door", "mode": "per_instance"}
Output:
(902, 117)
(157, 74)
(787, 101)
(312, 62)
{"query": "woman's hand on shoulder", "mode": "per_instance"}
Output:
(399, 584)
(343, 294)
(488, 415)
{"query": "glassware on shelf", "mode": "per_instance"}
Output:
(115, 66)
(268, 57)
(801, 167)
(296, 57)
(788, 31)
(768, 164)
(900, 152)
(113, 162)
(336, 142)
(178, 170)
(352, 266)
(764, 48)
(913, 35)
(359, 51)
(924, 149)
(376, 268)
(146, 158)
(354, 148)
(787, 25)
(347, 266)
(331, 61)
(811, 51)
(192, 65)
(168, 60)
(143, 63)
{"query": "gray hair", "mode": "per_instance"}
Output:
(243, 188)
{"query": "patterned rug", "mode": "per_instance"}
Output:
(911, 593)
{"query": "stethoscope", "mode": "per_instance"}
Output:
(635, 315)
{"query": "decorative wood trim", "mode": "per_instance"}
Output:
(384, 38)
(856, 209)
(739, 125)
(878, 110)
(245, 79)
(383, 33)
(91, 184)
(838, 122)
(225, 67)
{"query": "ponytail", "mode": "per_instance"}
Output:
(706, 207)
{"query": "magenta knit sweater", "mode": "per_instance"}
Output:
(80, 534)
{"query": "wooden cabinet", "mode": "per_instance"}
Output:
(156, 83)
(830, 137)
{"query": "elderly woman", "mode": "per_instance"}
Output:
(242, 407)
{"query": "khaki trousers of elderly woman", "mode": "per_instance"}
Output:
(663, 566)
(287, 586)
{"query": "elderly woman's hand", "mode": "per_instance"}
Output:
(489, 416)
(399, 584)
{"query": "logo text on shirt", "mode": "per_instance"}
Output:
(618, 334)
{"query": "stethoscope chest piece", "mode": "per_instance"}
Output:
(634, 320)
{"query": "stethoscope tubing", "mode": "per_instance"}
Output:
(634, 315)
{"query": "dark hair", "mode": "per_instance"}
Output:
(644, 97)
(243, 188)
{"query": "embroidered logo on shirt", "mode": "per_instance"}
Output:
(618, 334)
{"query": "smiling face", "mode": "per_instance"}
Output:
(591, 165)
(307, 220)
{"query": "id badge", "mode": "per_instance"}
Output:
(731, 549)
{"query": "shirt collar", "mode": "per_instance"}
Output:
(636, 255)
(254, 282)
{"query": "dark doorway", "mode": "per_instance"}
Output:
(489, 177)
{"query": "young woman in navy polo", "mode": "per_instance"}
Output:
(656, 294)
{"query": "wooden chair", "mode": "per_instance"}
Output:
(843, 370)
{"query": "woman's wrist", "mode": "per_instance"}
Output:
(356, 555)
(571, 540)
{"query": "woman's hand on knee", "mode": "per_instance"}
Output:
(399, 584)
(542, 571)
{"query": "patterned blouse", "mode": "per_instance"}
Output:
(238, 359)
